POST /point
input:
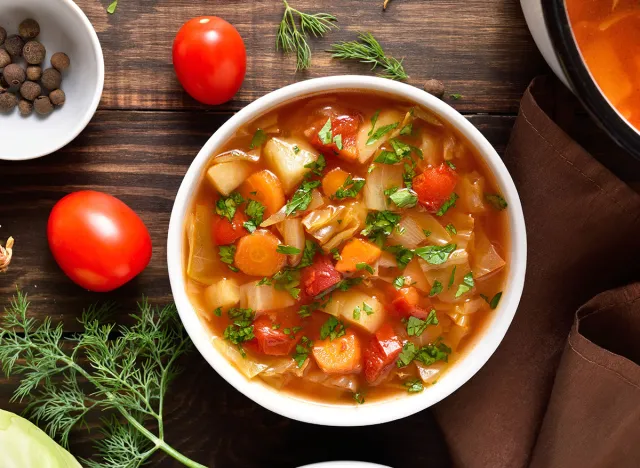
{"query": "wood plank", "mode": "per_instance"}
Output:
(479, 48)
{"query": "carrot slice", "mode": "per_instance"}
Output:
(256, 254)
(357, 251)
(339, 356)
(333, 181)
(265, 187)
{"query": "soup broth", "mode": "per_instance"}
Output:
(346, 247)
(608, 35)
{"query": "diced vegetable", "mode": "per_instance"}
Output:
(245, 364)
(333, 181)
(224, 293)
(342, 382)
(368, 139)
(226, 177)
(257, 255)
(429, 374)
(437, 234)
(357, 251)
(332, 225)
(337, 135)
(203, 257)
(288, 158)
(235, 156)
(264, 297)
(408, 233)
(450, 277)
(225, 232)
(435, 186)
(414, 276)
(381, 178)
(293, 235)
(455, 336)
(338, 356)
(319, 277)
(381, 353)
(409, 303)
(357, 308)
(471, 189)
(265, 187)
(486, 259)
(272, 341)
(431, 147)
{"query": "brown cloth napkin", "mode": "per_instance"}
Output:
(553, 395)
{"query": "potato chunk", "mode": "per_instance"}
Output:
(287, 158)
(223, 293)
(357, 308)
(226, 177)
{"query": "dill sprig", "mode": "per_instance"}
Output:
(368, 50)
(129, 376)
(290, 38)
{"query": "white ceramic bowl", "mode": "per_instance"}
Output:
(63, 28)
(344, 464)
(374, 412)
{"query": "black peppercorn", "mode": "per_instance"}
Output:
(25, 107)
(34, 73)
(43, 105)
(29, 28)
(14, 74)
(435, 87)
(14, 45)
(57, 97)
(5, 58)
(51, 79)
(3, 35)
(60, 61)
(30, 90)
(7, 101)
(34, 52)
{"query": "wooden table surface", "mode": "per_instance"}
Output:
(146, 133)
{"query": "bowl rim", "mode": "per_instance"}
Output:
(97, 95)
(394, 407)
(582, 82)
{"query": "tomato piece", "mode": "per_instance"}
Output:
(270, 341)
(210, 59)
(347, 127)
(98, 241)
(226, 232)
(320, 276)
(409, 303)
(381, 354)
(435, 186)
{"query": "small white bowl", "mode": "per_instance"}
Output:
(63, 28)
(344, 464)
(375, 412)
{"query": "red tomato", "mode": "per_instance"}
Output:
(434, 186)
(347, 127)
(319, 276)
(226, 232)
(273, 342)
(381, 354)
(210, 59)
(98, 241)
(409, 303)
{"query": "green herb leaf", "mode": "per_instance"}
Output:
(428, 354)
(335, 253)
(356, 313)
(111, 9)
(264, 282)
(350, 188)
(495, 300)
(435, 254)
(414, 385)
(287, 250)
(255, 213)
(227, 253)
(451, 165)
(325, 134)
(226, 206)
(259, 139)
(332, 328)
(218, 312)
(466, 285)
(426, 232)
(404, 198)
(382, 131)
(241, 327)
(365, 266)
(367, 308)
(287, 279)
(374, 120)
(451, 229)
(415, 326)
(497, 201)
(452, 278)
(403, 255)
(409, 174)
(309, 253)
(436, 288)
(456, 96)
(398, 283)
(379, 225)
(407, 129)
(358, 398)
(301, 198)
(337, 140)
(296, 149)
(450, 203)
(302, 351)
(316, 166)
(387, 157)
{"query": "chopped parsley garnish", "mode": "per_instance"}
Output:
(404, 198)
(416, 326)
(308, 254)
(426, 232)
(287, 280)
(264, 282)
(409, 174)
(255, 212)
(380, 132)
(332, 329)
(241, 327)
(367, 308)
(452, 278)
(337, 140)
(398, 283)
(466, 285)
(296, 149)
(456, 96)
(497, 201)
(436, 288)
(358, 398)
(356, 313)
(301, 198)
(414, 385)
(287, 250)
(226, 253)
(371, 168)
(335, 253)
(259, 138)
(450, 203)
(350, 188)
(226, 206)
(435, 254)
(380, 225)
(451, 165)
(428, 354)
(451, 229)
(316, 166)
(374, 120)
(365, 266)
(325, 133)
(302, 351)
(407, 129)
(495, 300)
(403, 255)
(218, 312)
(275, 326)
(387, 157)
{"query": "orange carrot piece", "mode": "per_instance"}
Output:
(333, 181)
(256, 254)
(339, 356)
(265, 187)
(357, 251)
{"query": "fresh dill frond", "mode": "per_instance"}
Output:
(129, 369)
(368, 50)
(291, 38)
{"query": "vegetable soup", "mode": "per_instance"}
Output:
(608, 35)
(346, 247)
